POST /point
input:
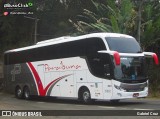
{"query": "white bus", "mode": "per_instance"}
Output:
(95, 66)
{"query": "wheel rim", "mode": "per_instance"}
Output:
(86, 96)
(26, 93)
(19, 92)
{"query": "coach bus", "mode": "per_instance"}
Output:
(95, 66)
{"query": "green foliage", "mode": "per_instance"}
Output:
(150, 24)
(107, 18)
(154, 76)
(18, 31)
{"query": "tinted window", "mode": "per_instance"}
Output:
(123, 45)
(100, 65)
(63, 50)
(94, 45)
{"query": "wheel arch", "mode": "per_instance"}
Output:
(18, 91)
(81, 89)
(26, 85)
(18, 86)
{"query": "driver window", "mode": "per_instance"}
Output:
(100, 65)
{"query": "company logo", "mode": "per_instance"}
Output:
(19, 5)
(62, 66)
(16, 70)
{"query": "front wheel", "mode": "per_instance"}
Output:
(85, 96)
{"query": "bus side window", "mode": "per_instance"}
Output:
(100, 66)
(106, 65)
(94, 45)
(107, 70)
(98, 63)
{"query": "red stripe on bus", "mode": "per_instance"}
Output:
(38, 80)
(55, 81)
(42, 91)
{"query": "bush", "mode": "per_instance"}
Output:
(154, 81)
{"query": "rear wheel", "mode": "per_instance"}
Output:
(18, 93)
(26, 94)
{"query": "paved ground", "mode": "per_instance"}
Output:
(9, 102)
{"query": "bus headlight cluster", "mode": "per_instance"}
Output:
(119, 88)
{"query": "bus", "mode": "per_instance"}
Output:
(96, 66)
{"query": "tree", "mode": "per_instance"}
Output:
(109, 17)
(150, 23)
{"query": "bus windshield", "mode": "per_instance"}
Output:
(123, 45)
(131, 68)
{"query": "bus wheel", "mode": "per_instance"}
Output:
(19, 93)
(85, 96)
(26, 93)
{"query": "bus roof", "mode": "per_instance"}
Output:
(68, 39)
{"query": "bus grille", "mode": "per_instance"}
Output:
(133, 87)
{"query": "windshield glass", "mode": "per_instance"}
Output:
(123, 45)
(131, 68)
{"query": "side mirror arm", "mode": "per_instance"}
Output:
(152, 55)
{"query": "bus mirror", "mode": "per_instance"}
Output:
(115, 55)
(117, 58)
(152, 55)
(155, 57)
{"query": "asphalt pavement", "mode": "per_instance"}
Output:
(142, 106)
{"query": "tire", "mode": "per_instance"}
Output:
(26, 93)
(85, 96)
(18, 93)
